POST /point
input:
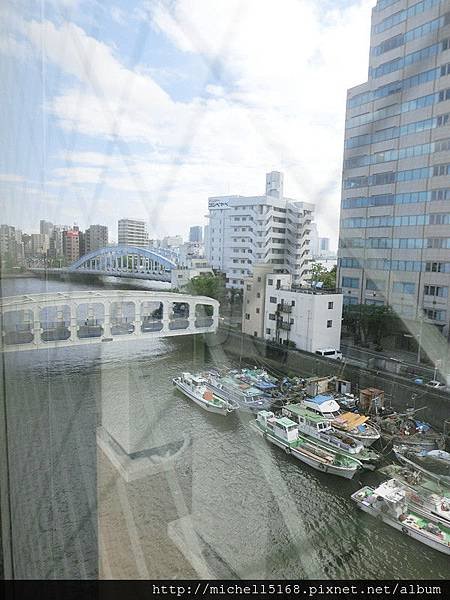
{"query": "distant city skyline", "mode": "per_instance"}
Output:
(205, 115)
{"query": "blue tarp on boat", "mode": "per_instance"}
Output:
(321, 398)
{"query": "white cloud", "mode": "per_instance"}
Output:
(11, 178)
(279, 103)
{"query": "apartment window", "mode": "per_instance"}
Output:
(255, 334)
(436, 291)
(374, 284)
(404, 287)
(329, 323)
(249, 287)
(293, 303)
(271, 317)
(435, 315)
(259, 279)
(330, 305)
(258, 295)
(257, 311)
(351, 282)
(273, 300)
(268, 330)
(437, 267)
(350, 300)
(270, 282)
(247, 316)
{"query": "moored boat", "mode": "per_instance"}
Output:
(388, 502)
(196, 388)
(403, 429)
(314, 426)
(283, 432)
(425, 496)
(358, 427)
(323, 404)
(236, 391)
(433, 463)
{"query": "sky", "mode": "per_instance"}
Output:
(144, 109)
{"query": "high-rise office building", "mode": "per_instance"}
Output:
(132, 232)
(196, 234)
(45, 227)
(394, 245)
(269, 229)
(95, 237)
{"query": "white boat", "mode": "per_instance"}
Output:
(388, 502)
(324, 405)
(357, 427)
(236, 391)
(431, 503)
(320, 430)
(283, 432)
(197, 389)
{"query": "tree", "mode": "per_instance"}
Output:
(327, 277)
(369, 322)
(206, 284)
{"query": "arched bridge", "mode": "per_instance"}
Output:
(127, 261)
(37, 321)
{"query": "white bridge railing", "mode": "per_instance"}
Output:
(38, 321)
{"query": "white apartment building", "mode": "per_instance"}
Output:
(277, 311)
(271, 229)
(132, 232)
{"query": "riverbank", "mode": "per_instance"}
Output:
(400, 392)
(21, 275)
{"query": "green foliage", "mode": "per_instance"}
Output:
(369, 322)
(319, 273)
(207, 284)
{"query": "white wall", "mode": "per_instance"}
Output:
(310, 314)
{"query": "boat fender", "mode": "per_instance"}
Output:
(404, 530)
(287, 450)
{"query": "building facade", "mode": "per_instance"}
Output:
(308, 318)
(71, 245)
(394, 245)
(45, 227)
(272, 229)
(95, 237)
(132, 232)
(11, 245)
(196, 234)
(172, 241)
(40, 244)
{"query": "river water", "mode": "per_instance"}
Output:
(226, 505)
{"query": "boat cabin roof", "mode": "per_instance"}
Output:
(194, 378)
(285, 422)
(301, 411)
(390, 491)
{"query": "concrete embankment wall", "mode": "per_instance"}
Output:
(401, 393)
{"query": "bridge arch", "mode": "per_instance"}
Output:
(126, 259)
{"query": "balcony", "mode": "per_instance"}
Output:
(285, 307)
(284, 325)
